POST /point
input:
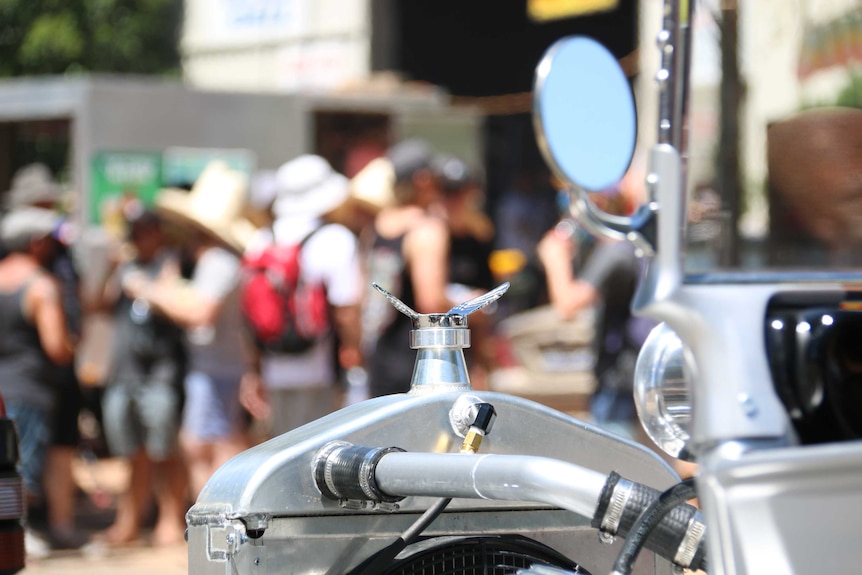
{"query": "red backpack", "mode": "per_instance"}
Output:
(283, 313)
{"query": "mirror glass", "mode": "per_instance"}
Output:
(584, 113)
(774, 137)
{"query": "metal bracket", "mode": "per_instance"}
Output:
(224, 541)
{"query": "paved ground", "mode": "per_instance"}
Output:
(138, 560)
(100, 480)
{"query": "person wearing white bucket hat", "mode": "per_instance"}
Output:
(34, 341)
(287, 390)
(33, 186)
(207, 307)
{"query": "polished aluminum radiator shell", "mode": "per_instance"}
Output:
(262, 512)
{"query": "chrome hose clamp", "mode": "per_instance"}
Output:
(688, 547)
(614, 514)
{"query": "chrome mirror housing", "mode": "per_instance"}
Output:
(586, 125)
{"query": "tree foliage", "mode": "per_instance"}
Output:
(851, 94)
(61, 36)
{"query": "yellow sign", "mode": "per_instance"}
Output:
(544, 10)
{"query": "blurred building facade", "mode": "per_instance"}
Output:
(276, 45)
(480, 54)
(477, 48)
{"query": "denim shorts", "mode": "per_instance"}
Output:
(212, 410)
(142, 414)
(34, 440)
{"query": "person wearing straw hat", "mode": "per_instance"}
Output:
(34, 340)
(142, 399)
(207, 306)
(290, 389)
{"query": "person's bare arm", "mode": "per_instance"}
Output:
(174, 297)
(177, 301)
(346, 320)
(426, 250)
(103, 296)
(46, 309)
(252, 392)
(196, 303)
(568, 294)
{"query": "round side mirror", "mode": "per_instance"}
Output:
(584, 114)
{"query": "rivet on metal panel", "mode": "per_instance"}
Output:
(748, 405)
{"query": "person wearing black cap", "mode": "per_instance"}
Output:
(471, 231)
(471, 239)
(207, 307)
(142, 401)
(407, 256)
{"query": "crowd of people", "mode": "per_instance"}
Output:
(187, 386)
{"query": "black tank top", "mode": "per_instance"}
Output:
(469, 262)
(25, 370)
(386, 331)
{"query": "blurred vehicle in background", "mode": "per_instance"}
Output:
(12, 509)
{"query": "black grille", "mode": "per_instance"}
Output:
(495, 555)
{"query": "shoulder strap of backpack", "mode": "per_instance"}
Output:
(272, 244)
(307, 236)
(301, 245)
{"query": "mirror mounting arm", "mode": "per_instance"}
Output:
(640, 228)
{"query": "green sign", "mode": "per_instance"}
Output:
(182, 166)
(118, 177)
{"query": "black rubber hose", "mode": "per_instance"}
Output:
(648, 521)
(666, 538)
(388, 553)
(346, 471)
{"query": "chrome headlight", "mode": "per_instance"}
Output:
(662, 392)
